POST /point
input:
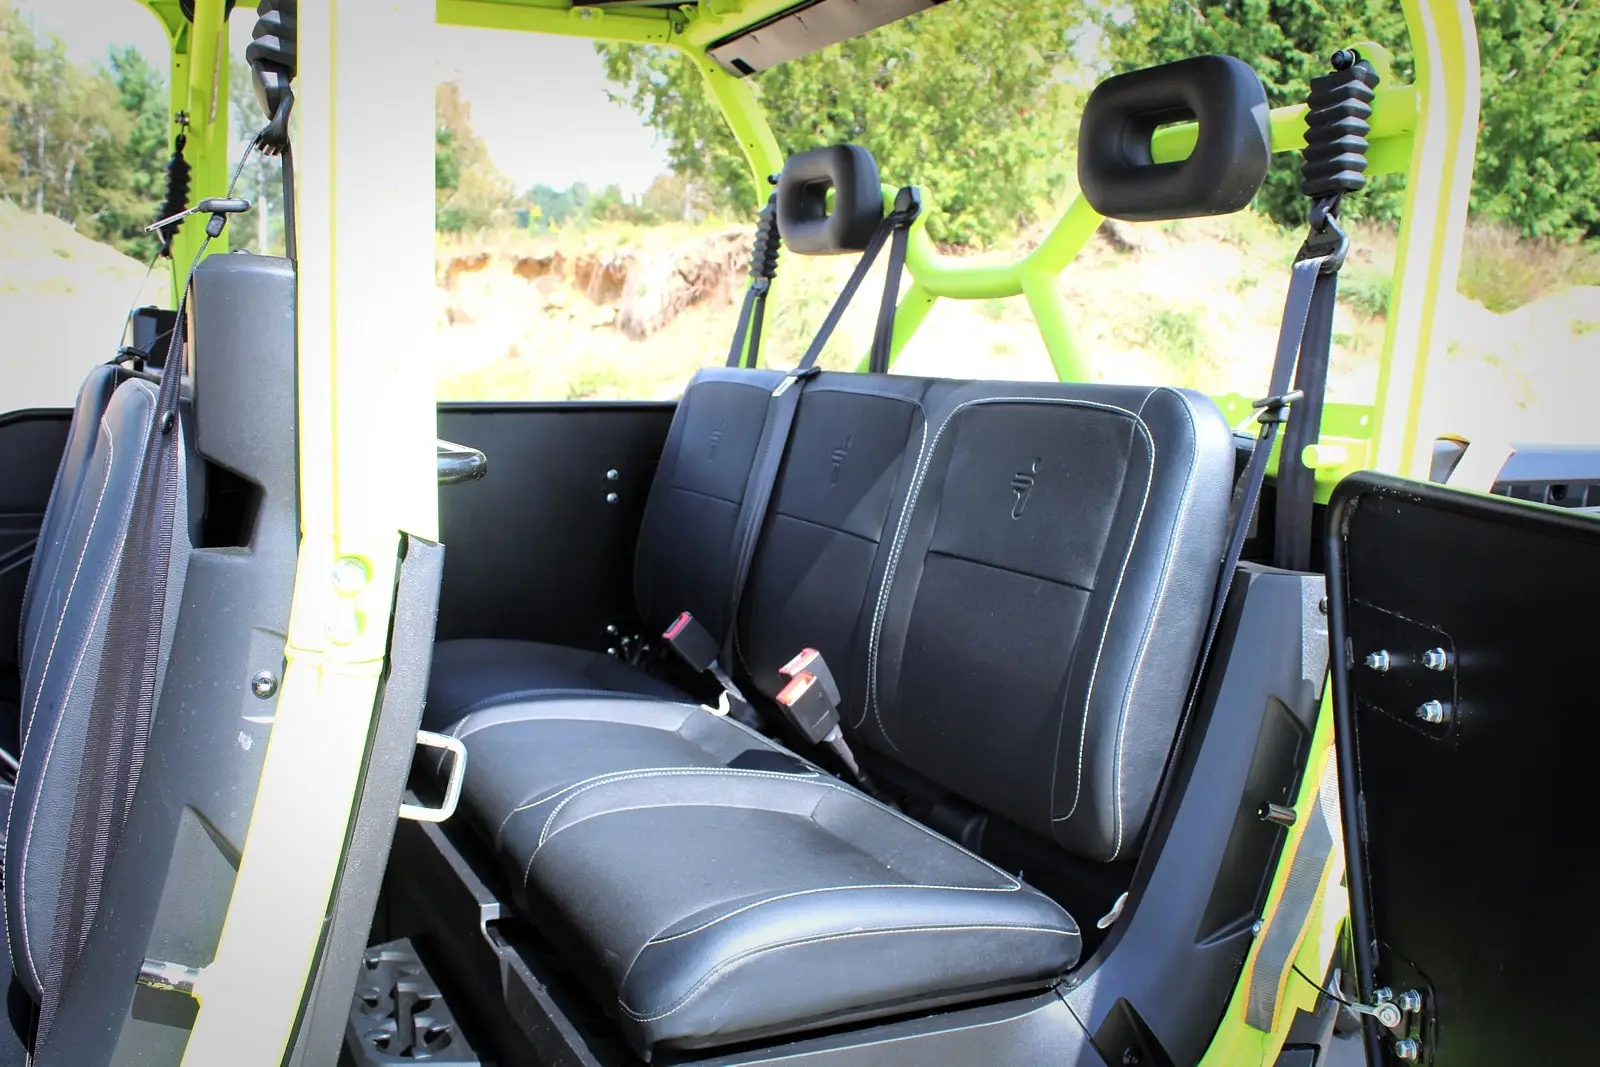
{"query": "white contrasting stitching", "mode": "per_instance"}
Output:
(634, 772)
(72, 679)
(71, 585)
(1012, 888)
(1155, 612)
(925, 461)
(823, 783)
(710, 975)
(1116, 590)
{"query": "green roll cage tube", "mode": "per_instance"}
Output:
(1426, 130)
(368, 414)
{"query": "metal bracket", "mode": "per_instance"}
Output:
(452, 789)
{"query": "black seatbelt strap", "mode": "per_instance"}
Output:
(763, 268)
(125, 694)
(908, 202)
(781, 412)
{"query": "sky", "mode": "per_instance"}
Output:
(539, 103)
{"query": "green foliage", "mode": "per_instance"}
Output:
(1538, 162)
(1503, 271)
(470, 193)
(87, 145)
(1366, 289)
(1287, 42)
(970, 100)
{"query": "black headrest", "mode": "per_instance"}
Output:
(804, 221)
(1230, 158)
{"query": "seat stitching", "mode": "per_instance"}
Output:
(55, 730)
(1099, 652)
(822, 782)
(627, 776)
(1155, 612)
(534, 693)
(71, 585)
(925, 457)
(479, 728)
(600, 779)
(1012, 888)
(694, 991)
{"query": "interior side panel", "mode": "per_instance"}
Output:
(1467, 737)
(30, 450)
(542, 548)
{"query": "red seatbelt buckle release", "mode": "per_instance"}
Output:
(691, 641)
(804, 702)
(810, 661)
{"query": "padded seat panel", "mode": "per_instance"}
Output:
(472, 675)
(722, 889)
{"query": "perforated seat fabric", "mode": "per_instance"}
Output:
(714, 888)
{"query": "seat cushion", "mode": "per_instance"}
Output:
(473, 675)
(720, 889)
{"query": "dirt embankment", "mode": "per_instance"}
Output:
(637, 292)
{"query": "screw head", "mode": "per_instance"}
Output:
(350, 576)
(264, 684)
(1436, 659)
(1379, 660)
(1322, 605)
(1255, 928)
(1410, 1002)
(1431, 711)
(612, 476)
(611, 498)
(1406, 1049)
(611, 628)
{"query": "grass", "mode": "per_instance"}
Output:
(1503, 271)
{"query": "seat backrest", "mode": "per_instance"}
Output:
(684, 559)
(60, 685)
(71, 476)
(1010, 581)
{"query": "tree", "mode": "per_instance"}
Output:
(971, 100)
(470, 192)
(1538, 160)
(262, 181)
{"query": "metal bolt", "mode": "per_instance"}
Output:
(1256, 928)
(350, 576)
(1382, 995)
(1410, 1002)
(1322, 605)
(612, 476)
(264, 684)
(611, 498)
(611, 628)
(611, 651)
(1406, 1049)
(1431, 711)
(1379, 660)
(1436, 659)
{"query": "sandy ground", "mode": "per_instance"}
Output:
(64, 300)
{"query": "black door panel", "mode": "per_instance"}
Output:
(1467, 722)
(542, 548)
(30, 451)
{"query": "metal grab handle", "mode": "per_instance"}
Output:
(460, 463)
(452, 789)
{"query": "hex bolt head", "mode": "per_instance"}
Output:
(1436, 659)
(1410, 1002)
(611, 498)
(264, 684)
(350, 576)
(1407, 1049)
(1431, 711)
(1379, 660)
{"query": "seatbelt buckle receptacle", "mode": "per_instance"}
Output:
(693, 644)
